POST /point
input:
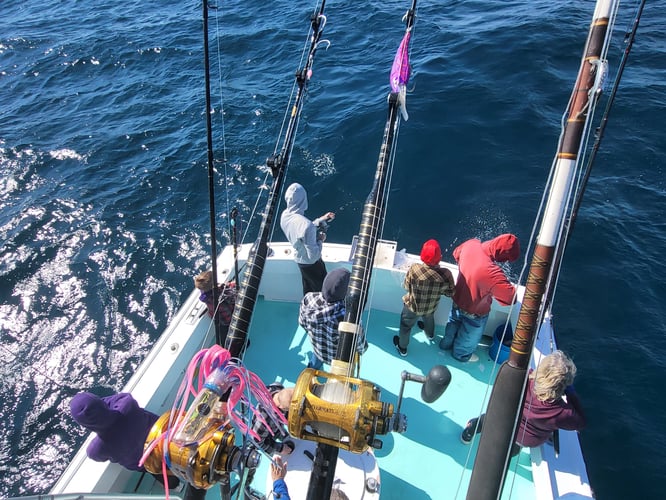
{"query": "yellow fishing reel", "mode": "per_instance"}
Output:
(201, 463)
(340, 411)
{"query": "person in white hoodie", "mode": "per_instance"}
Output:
(305, 236)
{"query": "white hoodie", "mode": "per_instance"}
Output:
(299, 230)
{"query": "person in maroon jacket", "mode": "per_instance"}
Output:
(550, 404)
(226, 299)
(480, 280)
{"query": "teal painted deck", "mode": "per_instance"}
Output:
(428, 461)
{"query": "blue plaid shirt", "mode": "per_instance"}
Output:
(320, 319)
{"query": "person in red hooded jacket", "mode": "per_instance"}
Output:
(480, 280)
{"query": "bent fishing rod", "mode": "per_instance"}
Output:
(506, 399)
(277, 163)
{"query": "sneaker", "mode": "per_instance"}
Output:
(468, 432)
(396, 343)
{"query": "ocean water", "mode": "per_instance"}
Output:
(104, 203)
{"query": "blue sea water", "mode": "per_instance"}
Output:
(104, 204)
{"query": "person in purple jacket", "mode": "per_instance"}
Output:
(121, 426)
(550, 404)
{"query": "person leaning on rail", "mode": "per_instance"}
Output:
(551, 403)
(480, 279)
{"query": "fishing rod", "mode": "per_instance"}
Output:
(506, 399)
(249, 286)
(374, 210)
(211, 170)
(233, 217)
(339, 415)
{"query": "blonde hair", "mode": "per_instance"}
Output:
(204, 281)
(555, 372)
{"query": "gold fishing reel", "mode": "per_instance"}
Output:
(340, 411)
(202, 463)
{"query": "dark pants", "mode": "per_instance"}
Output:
(313, 276)
(408, 319)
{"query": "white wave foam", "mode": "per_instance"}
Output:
(65, 154)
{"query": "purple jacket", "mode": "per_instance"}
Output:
(541, 418)
(120, 423)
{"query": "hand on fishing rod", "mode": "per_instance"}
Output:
(325, 219)
(322, 225)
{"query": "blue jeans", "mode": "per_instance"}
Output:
(462, 333)
(314, 361)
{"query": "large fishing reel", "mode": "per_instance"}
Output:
(203, 462)
(340, 411)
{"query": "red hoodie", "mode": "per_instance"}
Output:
(480, 278)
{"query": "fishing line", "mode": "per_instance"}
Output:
(221, 96)
(586, 169)
(310, 45)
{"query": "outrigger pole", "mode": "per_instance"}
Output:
(599, 134)
(249, 285)
(374, 211)
(506, 399)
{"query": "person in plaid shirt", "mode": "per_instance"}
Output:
(425, 283)
(321, 312)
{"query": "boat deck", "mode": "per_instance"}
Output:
(428, 461)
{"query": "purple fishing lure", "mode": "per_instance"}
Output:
(400, 70)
